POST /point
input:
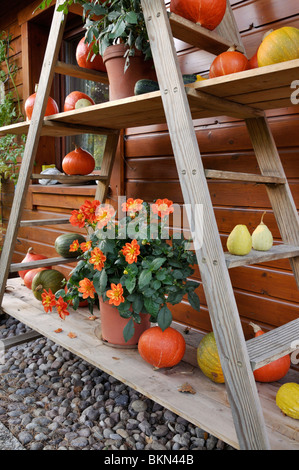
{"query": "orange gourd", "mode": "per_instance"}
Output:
(162, 348)
(84, 54)
(76, 100)
(228, 62)
(274, 371)
(279, 46)
(28, 278)
(30, 256)
(253, 63)
(208, 13)
(78, 162)
(52, 106)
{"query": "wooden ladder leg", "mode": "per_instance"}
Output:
(240, 383)
(107, 165)
(34, 132)
(280, 196)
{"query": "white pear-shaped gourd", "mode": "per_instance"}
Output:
(239, 241)
(262, 239)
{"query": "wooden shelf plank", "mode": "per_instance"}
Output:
(208, 408)
(69, 179)
(240, 94)
(78, 72)
(273, 344)
(281, 251)
(196, 35)
(40, 222)
(41, 263)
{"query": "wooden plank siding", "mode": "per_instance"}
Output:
(265, 294)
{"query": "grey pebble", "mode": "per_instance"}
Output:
(53, 400)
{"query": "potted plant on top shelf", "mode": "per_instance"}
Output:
(131, 268)
(117, 31)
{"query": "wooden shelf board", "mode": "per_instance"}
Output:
(242, 94)
(208, 408)
(78, 72)
(41, 263)
(280, 251)
(70, 179)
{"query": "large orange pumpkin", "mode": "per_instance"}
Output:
(279, 46)
(162, 348)
(274, 371)
(78, 162)
(228, 62)
(76, 100)
(208, 13)
(84, 54)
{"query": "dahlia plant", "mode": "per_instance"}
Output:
(132, 263)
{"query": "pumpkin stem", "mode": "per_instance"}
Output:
(262, 221)
(36, 87)
(39, 287)
(232, 48)
(30, 250)
(255, 327)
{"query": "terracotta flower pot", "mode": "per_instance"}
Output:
(121, 84)
(112, 325)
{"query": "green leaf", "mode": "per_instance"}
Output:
(175, 297)
(157, 263)
(194, 300)
(144, 279)
(130, 284)
(164, 317)
(151, 306)
(137, 304)
(129, 330)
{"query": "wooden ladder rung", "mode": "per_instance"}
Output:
(40, 222)
(42, 263)
(274, 344)
(281, 251)
(78, 72)
(69, 179)
(248, 177)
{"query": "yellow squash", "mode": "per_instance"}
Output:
(208, 358)
(287, 399)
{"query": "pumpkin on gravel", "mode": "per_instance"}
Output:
(161, 348)
(64, 241)
(208, 13)
(31, 256)
(45, 280)
(78, 162)
(208, 358)
(77, 100)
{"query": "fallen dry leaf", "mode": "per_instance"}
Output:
(92, 317)
(115, 358)
(187, 388)
(59, 330)
(72, 335)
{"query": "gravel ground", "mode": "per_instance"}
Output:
(52, 400)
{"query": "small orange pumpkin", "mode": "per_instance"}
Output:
(29, 257)
(228, 62)
(162, 348)
(85, 59)
(78, 162)
(208, 13)
(28, 278)
(76, 100)
(52, 106)
(279, 46)
(274, 371)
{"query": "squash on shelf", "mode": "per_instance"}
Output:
(208, 358)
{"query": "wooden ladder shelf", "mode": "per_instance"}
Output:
(178, 106)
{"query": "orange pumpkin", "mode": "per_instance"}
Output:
(208, 13)
(76, 100)
(28, 278)
(52, 107)
(162, 348)
(228, 62)
(78, 162)
(30, 256)
(253, 63)
(274, 371)
(279, 46)
(85, 59)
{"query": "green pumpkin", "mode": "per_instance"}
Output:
(63, 243)
(45, 280)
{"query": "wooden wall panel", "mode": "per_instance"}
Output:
(267, 293)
